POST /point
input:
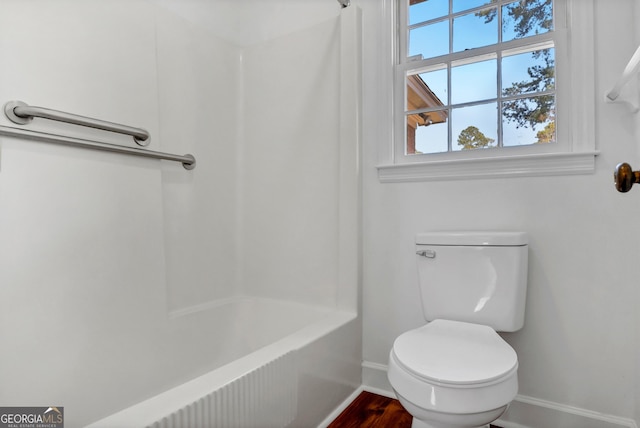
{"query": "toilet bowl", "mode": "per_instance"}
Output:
(452, 374)
(456, 371)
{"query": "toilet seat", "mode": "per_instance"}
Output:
(455, 354)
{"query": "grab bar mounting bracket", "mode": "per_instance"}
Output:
(9, 111)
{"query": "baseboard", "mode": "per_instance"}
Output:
(530, 412)
(374, 375)
(524, 411)
(336, 412)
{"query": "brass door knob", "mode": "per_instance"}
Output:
(625, 177)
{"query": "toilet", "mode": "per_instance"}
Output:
(456, 371)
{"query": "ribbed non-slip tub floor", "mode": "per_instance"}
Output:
(370, 410)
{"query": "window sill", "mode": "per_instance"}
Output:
(529, 165)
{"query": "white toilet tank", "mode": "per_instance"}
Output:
(476, 277)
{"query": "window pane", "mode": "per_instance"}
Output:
(474, 82)
(424, 10)
(474, 127)
(528, 72)
(526, 18)
(430, 40)
(473, 31)
(427, 132)
(529, 121)
(426, 90)
(459, 5)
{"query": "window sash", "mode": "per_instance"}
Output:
(403, 27)
(410, 65)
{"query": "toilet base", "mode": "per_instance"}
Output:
(431, 419)
(421, 424)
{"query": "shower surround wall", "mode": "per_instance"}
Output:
(284, 169)
(105, 258)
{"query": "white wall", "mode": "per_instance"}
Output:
(578, 346)
(250, 22)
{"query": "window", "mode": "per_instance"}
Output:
(481, 84)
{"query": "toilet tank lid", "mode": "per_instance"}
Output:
(475, 238)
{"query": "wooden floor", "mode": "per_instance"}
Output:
(371, 410)
(374, 411)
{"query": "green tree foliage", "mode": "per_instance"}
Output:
(535, 110)
(527, 15)
(472, 138)
(527, 18)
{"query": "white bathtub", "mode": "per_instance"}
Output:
(292, 366)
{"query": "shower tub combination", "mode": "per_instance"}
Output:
(221, 296)
(284, 362)
(284, 372)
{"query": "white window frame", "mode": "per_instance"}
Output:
(573, 153)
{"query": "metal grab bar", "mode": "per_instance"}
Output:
(188, 161)
(22, 113)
